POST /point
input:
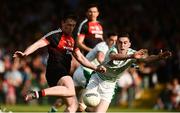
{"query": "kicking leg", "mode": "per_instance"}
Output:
(102, 107)
(74, 65)
(71, 104)
(58, 103)
(65, 87)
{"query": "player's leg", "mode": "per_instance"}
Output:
(65, 89)
(79, 82)
(93, 84)
(79, 78)
(105, 89)
(74, 65)
(71, 104)
(81, 106)
(70, 101)
(58, 103)
(102, 107)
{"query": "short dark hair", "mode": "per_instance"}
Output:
(111, 34)
(69, 15)
(90, 6)
(123, 34)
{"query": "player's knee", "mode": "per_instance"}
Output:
(72, 92)
(73, 106)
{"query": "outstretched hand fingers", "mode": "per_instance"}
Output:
(142, 53)
(18, 54)
(101, 69)
(165, 55)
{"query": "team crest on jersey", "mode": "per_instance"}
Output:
(92, 27)
(69, 45)
(97, 28)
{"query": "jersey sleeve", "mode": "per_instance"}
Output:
(75, 43)
(83, 28)
(132, 51)
(113, 50)
(102, 47)
(107, 56)
(53, 40)
(53, 37)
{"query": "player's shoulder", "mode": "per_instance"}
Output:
(82, 25)
(101, 44)
(53, 33)
(83, 22)
(113, 49)
(131, 51)
(99, 21)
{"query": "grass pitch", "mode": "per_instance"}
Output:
(45, 108)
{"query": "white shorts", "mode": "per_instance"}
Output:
(104, 88)
(125, 80)
(79, 78)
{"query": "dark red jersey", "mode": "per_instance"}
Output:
(60, 50)
(93, 32)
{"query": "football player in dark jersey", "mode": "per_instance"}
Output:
(61, 46)
(90, 31)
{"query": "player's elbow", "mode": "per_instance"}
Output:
(100, 57)
(80, 45)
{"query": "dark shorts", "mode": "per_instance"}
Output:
(53, 75)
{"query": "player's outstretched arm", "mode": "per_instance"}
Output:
(100, 56)
(161, 56)
(38, 44)
(85, 62)
(80, 43)
(137, 55)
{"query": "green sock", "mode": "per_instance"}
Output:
(53, 109)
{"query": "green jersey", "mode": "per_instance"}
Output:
(115, 67)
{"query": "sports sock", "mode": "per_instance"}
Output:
(53, 109)
(82, 107)
(41, 93)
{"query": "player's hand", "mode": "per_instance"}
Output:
(19, 54)
(142, 53)
(165, 54)
(101, 69)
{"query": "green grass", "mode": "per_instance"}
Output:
(45, 108)
(144, 104)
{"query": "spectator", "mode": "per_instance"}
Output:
(176, 93)
(164, 100)
(90, 31)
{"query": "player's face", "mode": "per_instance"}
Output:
(68, 26)
(92, 14)
(123, 44)
(112, 40)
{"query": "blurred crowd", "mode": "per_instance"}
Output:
(152, 24)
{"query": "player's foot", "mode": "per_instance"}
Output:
(31, 95)
(53, 110)
(81, 107)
